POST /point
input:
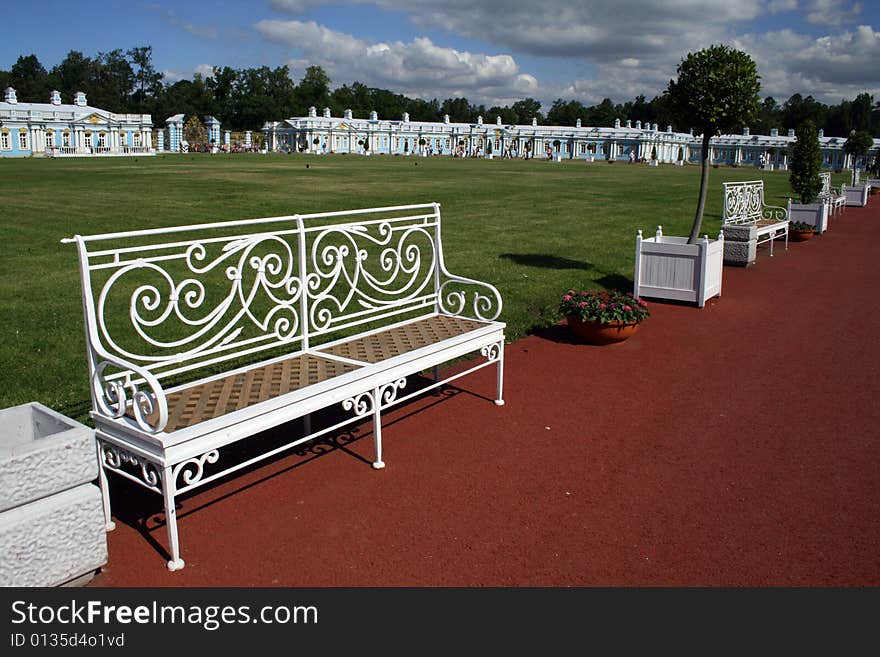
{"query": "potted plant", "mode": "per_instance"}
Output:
(805, 181)
(602, 316)
(717, 92)
(800, 231)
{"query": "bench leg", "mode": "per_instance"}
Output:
(104, 484)
(378, 464)
(499, 399)
(168, 492)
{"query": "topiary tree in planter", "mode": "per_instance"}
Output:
(858, 144)
(716, 92)
(806, 163)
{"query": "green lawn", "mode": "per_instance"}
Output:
(533, 229)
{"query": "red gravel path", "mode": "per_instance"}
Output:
(735, 445)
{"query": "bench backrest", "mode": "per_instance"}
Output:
(826, 183)
(172, 300)
(743, 201)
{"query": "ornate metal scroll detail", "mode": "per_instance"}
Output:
(743, 202)
(348, 278)
(388, 393)
(491, 352)
(120, 460)
(116, 397)
(365, 403)
(192, 470)
(361, 404)
(485, 300)
(260, 270)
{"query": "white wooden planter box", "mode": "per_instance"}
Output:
(856, 195)
(814, 214)
(670, 268)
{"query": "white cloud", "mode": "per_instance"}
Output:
(614, 48)
(777, 6)
(829, 68)
(171, 76)
(418, 68)
(832, 12)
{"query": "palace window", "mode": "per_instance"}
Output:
(65, 139)
(102, 140)
(136, 138)
(22, 141)
(87, 139)
(50, 140)
(5, 141)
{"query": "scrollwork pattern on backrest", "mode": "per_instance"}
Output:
(743, 202)
(368, 270)
(211, 298)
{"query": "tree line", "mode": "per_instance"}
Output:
(243, 99)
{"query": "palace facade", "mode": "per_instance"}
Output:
(54, 129)
(623, 142)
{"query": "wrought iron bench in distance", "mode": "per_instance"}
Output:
(833, 196)
(744, 204)
(201, 336)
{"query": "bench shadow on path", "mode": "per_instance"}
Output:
(142, 509)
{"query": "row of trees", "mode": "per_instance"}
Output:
(242, 99)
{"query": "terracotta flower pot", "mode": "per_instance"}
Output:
(800, 235)
(599, 333)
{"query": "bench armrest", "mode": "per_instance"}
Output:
(485, 304)
(116, 397)
(774, 213)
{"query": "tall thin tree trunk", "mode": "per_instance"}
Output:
(704, 184)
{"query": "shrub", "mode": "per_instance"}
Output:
(806, 163)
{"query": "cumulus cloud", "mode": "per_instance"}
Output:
(832, 12)
(171, 76)
(418, 68)
(829, 67)
(614, 48)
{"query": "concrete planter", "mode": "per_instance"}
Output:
(41, 453)
(814, 214)
(670, 268)
(856, 195)
(740, 245)
(52, 528)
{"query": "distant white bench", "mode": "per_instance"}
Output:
(834, 197)
(744, 205)
(202, 336)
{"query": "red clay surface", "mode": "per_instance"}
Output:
(734, 445)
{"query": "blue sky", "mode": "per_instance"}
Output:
(491, 51)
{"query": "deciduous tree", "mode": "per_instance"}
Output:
(716, 92)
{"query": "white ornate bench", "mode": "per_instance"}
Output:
(744, 205)
(833, 197)
(201, 336)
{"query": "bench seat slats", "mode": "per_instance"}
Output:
(383, 345)
(198, 403)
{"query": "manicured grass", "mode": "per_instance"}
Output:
(533, 229)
